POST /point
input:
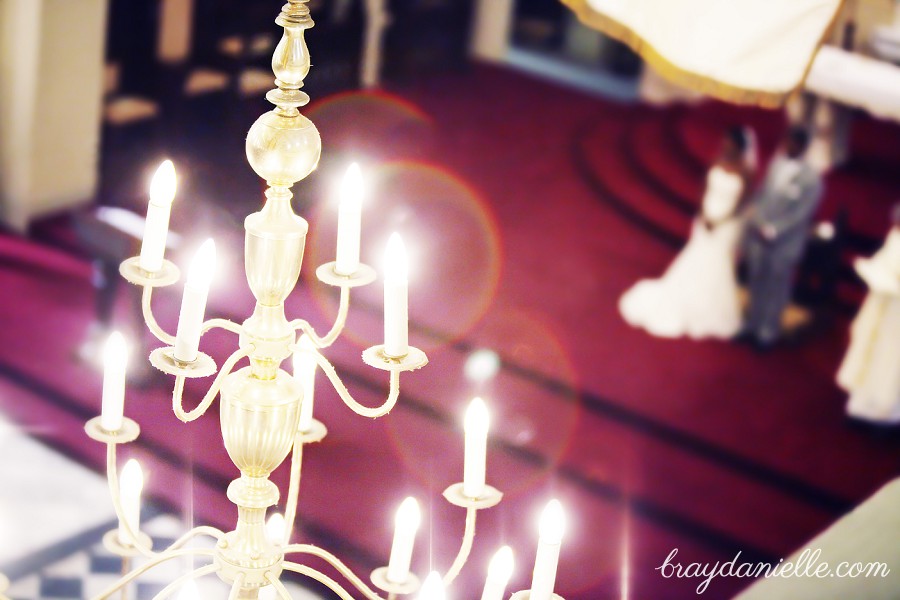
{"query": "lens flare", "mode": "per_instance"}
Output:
(456, 254)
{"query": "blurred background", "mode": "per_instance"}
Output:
(536, 169)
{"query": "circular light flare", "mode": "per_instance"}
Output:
(164, 184)
(825, 231)
(481, 366)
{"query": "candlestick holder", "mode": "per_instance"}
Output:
(128, 432)
(164, 360)
(131, 271)
(377, 358)
(364, 275)
(316, 433)
(114, 544)
(380, 580)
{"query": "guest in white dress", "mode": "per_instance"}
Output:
(870, 372)
(697, 296)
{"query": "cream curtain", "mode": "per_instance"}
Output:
(747, 51)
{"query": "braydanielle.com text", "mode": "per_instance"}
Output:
(808, 564)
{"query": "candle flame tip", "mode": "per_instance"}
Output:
(164, 184)
(553, 521)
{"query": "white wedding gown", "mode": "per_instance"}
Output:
(870, 371)
(697, 296)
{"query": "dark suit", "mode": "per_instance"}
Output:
(785, 204)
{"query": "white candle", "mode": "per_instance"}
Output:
(193, 303)
(349, 222)
(433, 588)
(476, 427)
(551, 531)
(115, 357)
(131, 482)
(396, 288)
(499, 571)
(406, 524)
(305, 374)
(156, 228)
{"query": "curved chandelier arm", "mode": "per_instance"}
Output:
(335, 562)
(236, 587)
(290, 510)
(201, 408)
(341, 389)
(152, 325)
(336, 329)
(195, 532)
(464, 549)
(283, 592)
(221, 324)
(333, 585)
(175, 585)
(112, 477)
(149, 565)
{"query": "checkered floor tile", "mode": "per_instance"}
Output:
(86, 573)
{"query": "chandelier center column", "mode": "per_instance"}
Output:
(260, 404)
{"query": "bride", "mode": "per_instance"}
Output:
(697, 296)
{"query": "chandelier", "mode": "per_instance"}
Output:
(266, 414)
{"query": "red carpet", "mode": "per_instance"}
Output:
(706, 447)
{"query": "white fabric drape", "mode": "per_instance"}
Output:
(753, 51)
(856, 80)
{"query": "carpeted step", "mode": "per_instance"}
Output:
(652, 153)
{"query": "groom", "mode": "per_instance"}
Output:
(776, 235)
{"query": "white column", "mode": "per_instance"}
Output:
(491, 29)
(51, 87)
(377, 20)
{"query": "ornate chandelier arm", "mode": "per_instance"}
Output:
(333, 585)
(221, 324)
(465, 548)
(196, 531)
(290, 510)
(195, 574)
(336, 329)
(177, 393)
(149, 565)
(152, 325)
(335, 562)
(283, 593)
(355, 406)
(236, 587)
